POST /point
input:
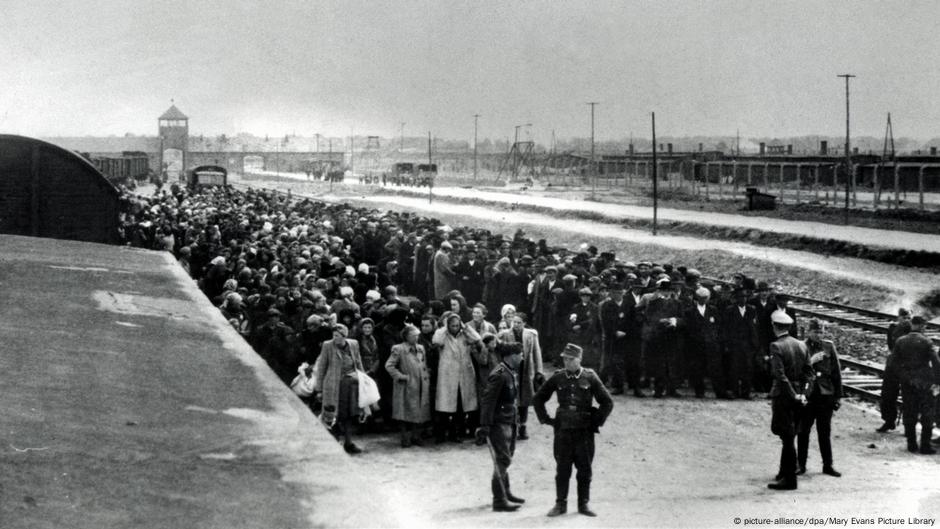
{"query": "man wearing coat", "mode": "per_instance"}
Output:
(739, 336)
(615, 322)
(793, 375)
(662, 318)
(498, 420)
(823, 398)
(576, 421)
(445, 279)
(530, 372)
(918, 369)
(702, 347)
(582, 326)
(470, 275)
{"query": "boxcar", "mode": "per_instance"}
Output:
(48, 191)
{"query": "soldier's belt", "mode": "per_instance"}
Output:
(575, 408)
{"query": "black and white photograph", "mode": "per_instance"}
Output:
(469, 264)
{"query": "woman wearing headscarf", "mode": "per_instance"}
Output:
(456, 380)
(506, 315)
(411, 399)
(338, 383)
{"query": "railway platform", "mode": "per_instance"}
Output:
(128, 401)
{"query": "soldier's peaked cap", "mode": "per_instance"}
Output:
(572, 350)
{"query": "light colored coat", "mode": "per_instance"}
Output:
(411, 400)
(532, 361)
(455, 370)
(329, 370)
(445, 279)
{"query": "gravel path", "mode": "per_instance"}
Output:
(854, 234)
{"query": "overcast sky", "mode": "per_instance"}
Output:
(767, 68)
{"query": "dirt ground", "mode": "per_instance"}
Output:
(665, 463)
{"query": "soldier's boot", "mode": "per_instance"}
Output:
(523, 434)
(500, 503)
(584, 496)
(561, 507)
(509, 495)
(925, 447)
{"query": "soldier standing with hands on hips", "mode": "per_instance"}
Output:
(499, 417)
(792, 374)
(575, 422)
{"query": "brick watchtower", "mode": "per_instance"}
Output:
(174, 142)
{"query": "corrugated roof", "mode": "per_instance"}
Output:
(173, 113)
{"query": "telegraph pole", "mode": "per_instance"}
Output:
(848, 153)
(655, 197)
(476, 117)
(593, 165)
(431, 178)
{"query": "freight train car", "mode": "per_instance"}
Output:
(48, 191)
(131, 165)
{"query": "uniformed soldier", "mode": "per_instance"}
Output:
(498, 422)
(792, 374)
(823, 398)
(890, 385)
(918, 369)
(575, 422)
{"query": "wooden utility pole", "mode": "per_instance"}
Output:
(593, 165)
(655, 185)
(476, 117)
(431, 179)
(848, 153)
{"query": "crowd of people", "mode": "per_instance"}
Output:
(331, 291)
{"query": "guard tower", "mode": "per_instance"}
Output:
(174, 143)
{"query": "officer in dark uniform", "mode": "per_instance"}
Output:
(890, 385)
(823, 398)
(498, 422)
(792, 374)
(575, 422)
(918, 369)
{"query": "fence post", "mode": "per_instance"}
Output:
(855, 170)
(897, 186)
(766, 177)
(707, 164)
(920, 185)
(875, 187)
(782, 167)
(816, 183)
(734, 180)
(799, 182)
(721, 183)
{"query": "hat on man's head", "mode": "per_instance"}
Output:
(664, 283)
(585, 292)
(762, 286)
(572, 351)
(903, 312)
(780, 317)
(703, 292)
(814, 325)
(918, 320)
